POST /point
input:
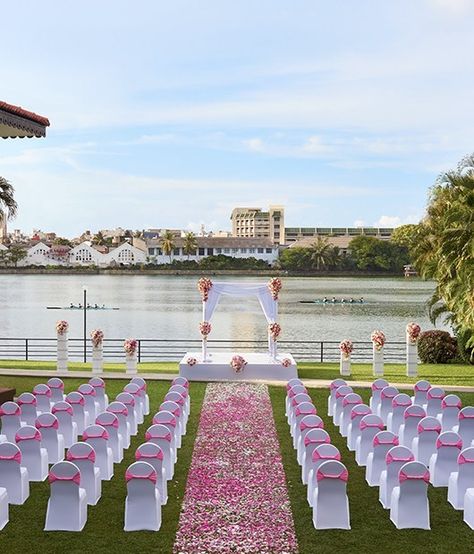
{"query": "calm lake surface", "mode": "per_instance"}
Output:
(169, 307)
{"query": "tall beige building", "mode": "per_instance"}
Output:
(254, 223)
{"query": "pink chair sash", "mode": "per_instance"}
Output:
(317, 425)
(340, 394)
(305, 411)
(165, 436)
(179, 400)
(67, 409)
(343, 476)
(355, 413)
(56, 385)
(465, 415)
(76, 478)
(364, 425)
(53, 425)
(390, 458)
(309, 440)
(168, 421)
(74, 400)
(457, 444)
(421, 428)
(335, 385)
(437, 394)
(99, 385)
(424, 387)
(411, 414)
(99, 435)
(33, 436)
(150, 476)
(30, 402)
(71, 457)
(143, 456)
(403, 476)
(463, 459)
(178, 381)
(17, 412)
(351, 401)
(393, 441)
(444, 404)
(318, 456)
(390, 394)
(44, 392)
(113, 423)
(15, 457)
(87, 390)
(121, 411)
(397, 403)
(378, 386)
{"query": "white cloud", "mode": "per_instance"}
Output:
(359, 223)
(255, 144)
(396, 221)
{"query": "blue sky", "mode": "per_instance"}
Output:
(169, 114)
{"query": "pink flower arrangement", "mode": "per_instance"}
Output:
(205, 328)
(274, 329)
(97, 336)
(236, 497)
(62, 327)
(130, 346)
(204, 286)
(286, 362)
(413, 332)
(274, 285)
(237, 364)
(378, 339)
(191, 361)
(346, 347)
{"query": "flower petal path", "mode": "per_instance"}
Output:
(236, 497)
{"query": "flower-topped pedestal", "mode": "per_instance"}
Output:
(378, 343)
(97, 338)
(130, 346)
(62, 328)
(346, 347)
(413, 331)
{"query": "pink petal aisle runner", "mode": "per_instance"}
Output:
(236, 498)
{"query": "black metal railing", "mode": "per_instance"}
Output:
(153, 350)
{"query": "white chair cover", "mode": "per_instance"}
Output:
(67, 426)
(301, 410)
(450, 407)
(101, 397)
(382, 443)
(43, 397)
(369, 426)
(110, 422)
(67, 504)
(395, 418)
(409, 428)
(33, 456)
(312, 440)
(296, 388)
(353, 430)
(134, 390)
(322, 453)
(434, 398)
(462, 479)
(121, 411)
(142, 505)
(176, 410)
(445, 460)
(27, 403)
(57, 389)
(185, 393)
(331, 505)
(332, 394)
(377, 386)
(396, 457)
(90, 405)
(163, 417)
(76, 400)
(465, 426)
(3, 507)
(98, 438)
(409, 507)
(341, 392)
(348, 402)
(13, 477)
(421, 389)
(10, 415)
(297, 399)
(386, 398)
(181, 401)
(129, 401)
(469, 508)
(51, 438)
(152, 453)
(161, 435)
(83, 456)
(424, 445)
(306, 424)
(143, 388)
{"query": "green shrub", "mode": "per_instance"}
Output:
(466, 353)
(437, 347)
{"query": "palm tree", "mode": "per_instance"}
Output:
(167, 243)
(8, 206)
(99, 239)
(320, 253)
(190, 243)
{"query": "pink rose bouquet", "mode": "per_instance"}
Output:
(205, 328)
(130, 346)
(286, 362)
(346, 347)
(378, 339)
(204, 286)
(274, 329)
(275, 286)
(97, 336)
(237, 364)
(191, 361)
(62, 327)
(413, 332)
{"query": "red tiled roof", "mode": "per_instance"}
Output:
(20, 112)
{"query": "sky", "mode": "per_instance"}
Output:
(172, 113)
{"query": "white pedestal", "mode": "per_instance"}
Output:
(62, 352)
(377, 363)
(412, 359)
(204, 349)
(131, 364)
(345, 368)
(97, 359)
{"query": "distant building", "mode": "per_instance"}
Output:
(255, 223)
(294, 234)
(341, 242)
(157, 233)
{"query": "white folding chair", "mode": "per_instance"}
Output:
(110, 422)
(424, 444)
(27, 403)
(469, 507)
(465, 426)
(301, 410)
(341, 392)
(322, 453)
(353, 430)
(450, 407)
(142, 505)
(462, 479)
(348, 402)
(98, 438)
(134, 390)
(43, 397)
(83, 456)
(67, 426)
(331, 505)
(312, 440)
(13, 476)
(121, 411)
(434, 399)
(129, 401)
(67, 504)
(91, 407)
(143, 392)
(163, 417)
(395, 418)
(369, 426)
(409, 428)
(33, 456)
(101, 397)
(161, 435)
(395, 459)
(332, 394)
(420, 389)
(382, 443)
(57, 389)
(409, 507)
(152, 453)
(445, 460)
(386, 398)
(181, 401)
(51, 438)
(306, 424)
(76, 400)
(10, 415)
(377, 386)
(3, 508)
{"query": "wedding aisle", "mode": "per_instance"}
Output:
(236, 498)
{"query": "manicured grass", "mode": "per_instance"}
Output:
(104, 528)
(153, 367)
(372, 530)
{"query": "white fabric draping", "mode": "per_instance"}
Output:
(261, 291)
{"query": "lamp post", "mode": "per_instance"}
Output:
(84, 307)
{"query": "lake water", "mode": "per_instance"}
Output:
(169, 307)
